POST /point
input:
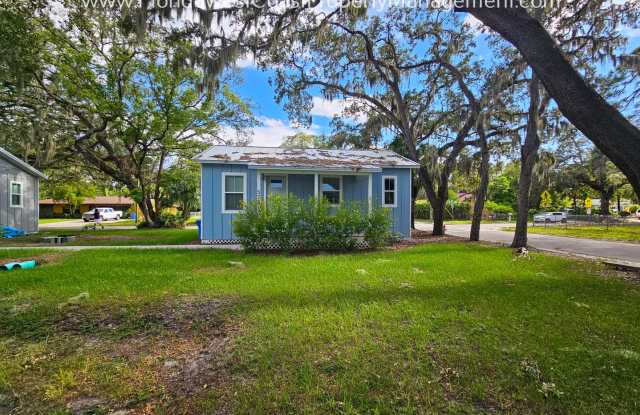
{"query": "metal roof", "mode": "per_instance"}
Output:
(305, 158)
(21, 164)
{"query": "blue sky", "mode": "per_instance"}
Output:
(275, 124)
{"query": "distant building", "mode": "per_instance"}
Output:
(19, 193)
(465, 197)
(231, 176)
(50, 208)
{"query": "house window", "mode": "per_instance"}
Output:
(233, 192)
(331, 188)
(389, 191)
(16, 194)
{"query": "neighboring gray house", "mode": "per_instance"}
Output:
(234, 175)
(19, 193)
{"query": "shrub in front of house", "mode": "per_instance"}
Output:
(292, 224)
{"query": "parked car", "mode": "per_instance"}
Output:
(105, 214)
(550, 217)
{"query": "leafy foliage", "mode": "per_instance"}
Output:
(294, 224)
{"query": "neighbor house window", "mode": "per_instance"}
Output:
(389, 191)
(233, 192)
(16, 194)
(331, 188)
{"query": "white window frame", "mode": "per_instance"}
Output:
(224, 192)
(11, 194)
(395, 191)
(322, 192)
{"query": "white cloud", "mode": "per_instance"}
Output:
(329, 108)
(247, 61)
(475, 24)
(273, 131)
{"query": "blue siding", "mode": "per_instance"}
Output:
(217, 225)
(301, 185)
(402, 212)
(356, 189)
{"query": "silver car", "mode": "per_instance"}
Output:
(550, 217)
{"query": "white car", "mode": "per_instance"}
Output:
(105, 214)
(550, 217)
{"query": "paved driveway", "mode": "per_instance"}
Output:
(492, 232)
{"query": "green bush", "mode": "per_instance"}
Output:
(292, 224)
(171, 220)
(632, 208)
(494, 207)
(422, 209)
(454, 210)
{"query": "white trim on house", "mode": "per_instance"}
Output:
(224, 192)
(21, 164)
(395, 191)
(11, 183)
(341, 198)
(316, 185)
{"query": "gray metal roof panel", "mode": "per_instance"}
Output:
(308, 158)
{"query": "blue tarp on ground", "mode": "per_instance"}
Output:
(11, 232)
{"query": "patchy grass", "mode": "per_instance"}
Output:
(121, 222)
(111, 237)
(430, 329)
(627, 233)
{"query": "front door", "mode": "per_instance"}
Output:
(276, 185)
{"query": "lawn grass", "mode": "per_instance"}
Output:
(44, 221)
(628, 233)
(121, 222)
(113, 237)
(437, 328)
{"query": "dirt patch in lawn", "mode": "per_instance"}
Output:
(419, 237)
(97, 237)
(632, 277)
(156, 358)
(41, 259)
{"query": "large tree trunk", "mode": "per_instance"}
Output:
(602, 123)
(438, 217)
(528, 154)
(481, 192)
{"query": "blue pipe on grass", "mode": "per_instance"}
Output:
(18, 265)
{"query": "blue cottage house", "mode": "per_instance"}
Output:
(232, 175)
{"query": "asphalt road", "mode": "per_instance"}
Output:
(492, 232)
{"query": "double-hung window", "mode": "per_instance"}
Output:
(234, 190)
(16, 194)
(389, 191)
(331, 188)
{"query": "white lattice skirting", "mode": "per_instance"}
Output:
(266, 246)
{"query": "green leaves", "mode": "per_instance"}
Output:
(293, 224)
